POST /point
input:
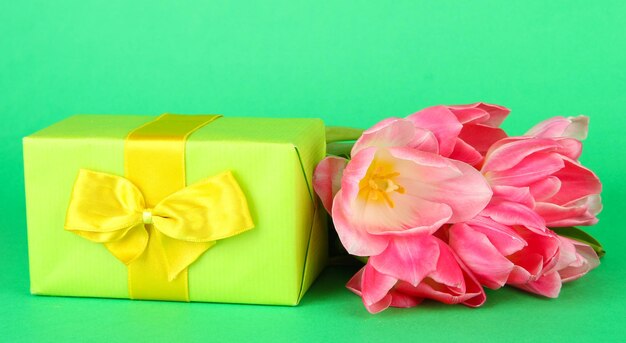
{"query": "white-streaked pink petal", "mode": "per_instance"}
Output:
(356, 240)
(466, 191)
(572, 127)
(410, 215)
(567, 253)
(327, 179)
(586, 260)
(390, 132)
(355, 171)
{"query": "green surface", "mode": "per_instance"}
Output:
(349, 63)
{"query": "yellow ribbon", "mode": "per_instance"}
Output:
(155, 225)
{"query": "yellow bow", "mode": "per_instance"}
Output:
(109, 209)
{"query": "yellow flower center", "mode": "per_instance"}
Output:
(378, 184)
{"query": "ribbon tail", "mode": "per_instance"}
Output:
(180, 254)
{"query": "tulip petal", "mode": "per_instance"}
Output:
(391, 132)
(546, 188)
(357, 242)
(510, 213)
(495, 114)
(568, 147)
(452, 282)
(489, 265)
(424, 140)
(469, 114)
(410, 215)
(355, 171)
(402, 299)
(399, 298)
(548, 285)
(506, 240)
(465, 153)
(375, 287)
(447, 270)
(577, 182)
(538, 258)
(531, 169)
(519, 195)
(327, 179)
(440, 180)
(442, 123)
(586, 252)
(580, 213)
(354, 284)
(481, 137)
(408, 259)
(572, 127)
(586, 260)
(567, 253)
(509, 152)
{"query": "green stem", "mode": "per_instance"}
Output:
(342, 134)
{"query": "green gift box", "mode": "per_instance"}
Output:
(273, 162)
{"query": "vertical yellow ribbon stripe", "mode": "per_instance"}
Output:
(154, 157)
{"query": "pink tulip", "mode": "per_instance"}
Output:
(437, 274)
(396, 184)
(575, 260)
(463, 132)
(507, 243)
(391, 192)
(565, 192)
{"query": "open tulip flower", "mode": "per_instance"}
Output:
(393, 192)
(444, 202)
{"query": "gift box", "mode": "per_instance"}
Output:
(125, 206)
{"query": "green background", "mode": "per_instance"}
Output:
(349, 63)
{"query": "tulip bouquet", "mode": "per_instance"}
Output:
(443, 203)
